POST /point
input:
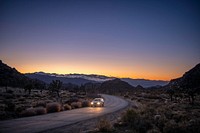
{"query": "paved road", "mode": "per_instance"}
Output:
(42, 123)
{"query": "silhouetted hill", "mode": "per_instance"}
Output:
(80, 79)
(115, 86)
(11, 77)
(190, 80)
(144, 82)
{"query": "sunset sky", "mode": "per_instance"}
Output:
(150, 39)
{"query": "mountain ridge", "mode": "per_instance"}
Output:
(86, 78)
(190, 79)
(11, 77)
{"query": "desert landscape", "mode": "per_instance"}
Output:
(99, 66)
(175, 106)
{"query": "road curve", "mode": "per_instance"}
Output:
(42, 123)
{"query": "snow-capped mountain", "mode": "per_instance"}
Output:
(80, 79)
(92, 77)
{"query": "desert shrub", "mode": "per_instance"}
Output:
(104, 125)
(159, 121)
(2, 107)
(86, 103)
(173, 127)
(3, 115)
(48, 101)
(10, 106)
(41, 104)
(136, 121)
(72, 100)
(153, 131)
(53, 107)
(28, 112)
(193, 126)
(19, 109)
(143, 125)
(40, 110)
(75, 105)
(67, 107)
(130, 116)
(179, 117)
(148, 112)
(126, 96)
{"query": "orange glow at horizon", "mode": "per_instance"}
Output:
(111, 71)
(112, 67)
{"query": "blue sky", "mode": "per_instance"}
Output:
(155, 39)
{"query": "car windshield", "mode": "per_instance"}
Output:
(97, 100)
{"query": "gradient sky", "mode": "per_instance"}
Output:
(151, 39)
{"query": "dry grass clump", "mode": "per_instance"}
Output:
(104, 125)
(130, 116)
(19, 108)
(75, 105)
(85, 103)
(28, 112)
(53, 107)
(40, 110)
(137, 121)
(33, 111)
(3, 115)
(67, 107)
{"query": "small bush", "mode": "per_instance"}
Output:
(67, 107)
(10, 106)
(86, 103)
(72, 100)
(19, 109)
(136, 121)
(53, 107)
(28, 112)
(40, 110)
(3, 115)
(193, 126)
(75, 105)
(171, 127)
(130, 116)
(153, 131)
(126, 96)
(104, 125)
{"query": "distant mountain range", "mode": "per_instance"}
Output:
(80, 79)
(145, 82)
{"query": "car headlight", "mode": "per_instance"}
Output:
(91, 102)
(98, 103)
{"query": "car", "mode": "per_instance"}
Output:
(97, 102)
